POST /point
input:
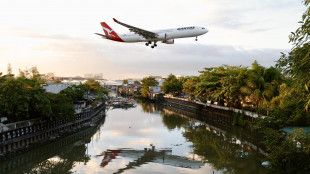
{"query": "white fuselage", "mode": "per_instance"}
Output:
(164, 35)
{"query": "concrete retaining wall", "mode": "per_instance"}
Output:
(209, 110)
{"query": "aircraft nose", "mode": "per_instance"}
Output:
(206, 30)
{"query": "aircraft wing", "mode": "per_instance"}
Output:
(146, 34)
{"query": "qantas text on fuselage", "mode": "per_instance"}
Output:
(140, 35)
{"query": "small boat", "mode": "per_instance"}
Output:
(122, 103)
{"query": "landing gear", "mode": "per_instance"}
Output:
(196, 39)
(149, 43)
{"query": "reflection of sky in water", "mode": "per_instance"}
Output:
(136, 130)
(119, 146)
(123, 144)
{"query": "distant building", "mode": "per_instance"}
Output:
(89, 76)
(155, 93)
(98, 76)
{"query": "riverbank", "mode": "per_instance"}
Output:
(16, 138)
(216, 115)
(212, 110)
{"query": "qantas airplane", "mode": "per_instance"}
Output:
(140, 35)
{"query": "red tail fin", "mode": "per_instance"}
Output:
(110, 33)
(106, 28)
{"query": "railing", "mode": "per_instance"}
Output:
(20, 134)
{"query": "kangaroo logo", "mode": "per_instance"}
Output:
(109, 31)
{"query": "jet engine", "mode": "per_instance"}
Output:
(169, 41)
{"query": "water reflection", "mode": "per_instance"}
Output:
(224, 151)
(173, 121)
(149, 138)
(57, 157)
(140, 157)
(150, 107)
(63, 162)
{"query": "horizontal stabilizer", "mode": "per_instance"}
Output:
(102, 35)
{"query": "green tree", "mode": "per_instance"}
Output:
(76, 92)
(147, 82)
(296, 64)
(137, 83)
(22, 99)
(2, 78)
(94, 86)
(61, 106)
(125, 81)
(172, 85)
(190, 86)
(34, 74)
(219, 84)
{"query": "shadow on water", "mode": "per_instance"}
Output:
(57, 157)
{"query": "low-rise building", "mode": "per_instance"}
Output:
(55, 88)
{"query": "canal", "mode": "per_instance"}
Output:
(147, 138)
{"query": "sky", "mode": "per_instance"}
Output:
(58, 36)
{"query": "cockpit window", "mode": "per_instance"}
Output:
(203, 28)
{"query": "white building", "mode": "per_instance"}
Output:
(154, 89)
(55, 88)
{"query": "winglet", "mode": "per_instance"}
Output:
(115, 20)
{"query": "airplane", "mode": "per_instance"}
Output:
(140, 35)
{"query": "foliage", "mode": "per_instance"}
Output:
(222, 83)
(235, 85)
(125, 81)
(61, 106)
(190, 86)
(296, 64)
(172, 85)
(33, 74)
(76, 92)
(23, 99)
(147, 82)
(301, 137)
(94, 87)
(136, 83)
(287, 158)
